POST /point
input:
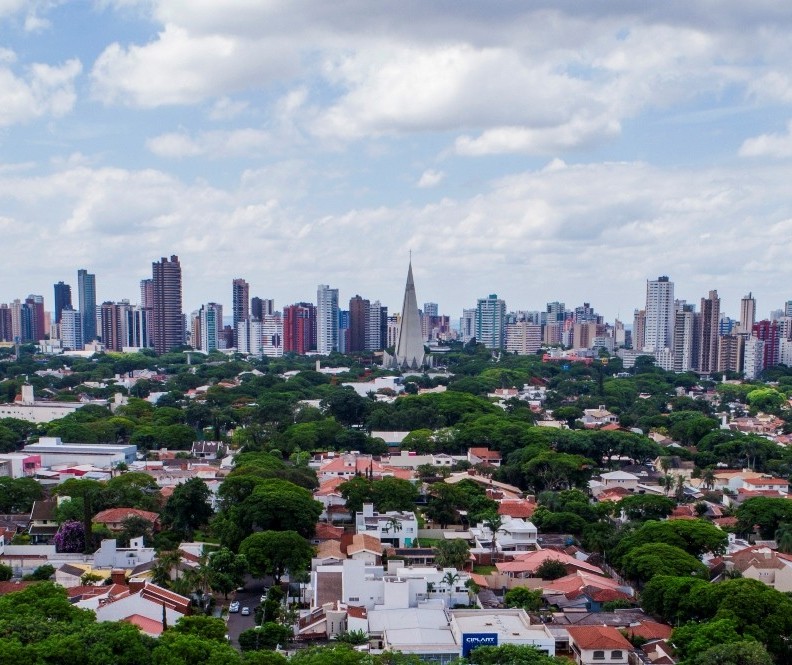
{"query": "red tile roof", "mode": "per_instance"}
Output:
(148, 626)
(651, 630)
(116, 515)
(521, 508)
(325, 531)
(598, 637)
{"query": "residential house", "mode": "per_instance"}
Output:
(43, 525)
(114, 518)
(397, 528)
(598, 417)
(483, 456)
(208, 450)
(526, 565)
(514, 535)
(598, 645)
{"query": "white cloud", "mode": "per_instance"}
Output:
(182, 68)
(210, 144)
(430, 178)
(768, 145)
(226, 108)
(44, 90)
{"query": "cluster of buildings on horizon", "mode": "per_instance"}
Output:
(679, 337)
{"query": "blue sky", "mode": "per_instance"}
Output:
(542, 151)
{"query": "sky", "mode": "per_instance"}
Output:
(538, 150)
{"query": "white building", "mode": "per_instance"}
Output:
(28, 408)
(659, 313)
(396, 528)
(54, 452)
(514, 535)
(326, 319)
(753, 358)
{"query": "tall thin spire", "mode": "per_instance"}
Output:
(409, 343)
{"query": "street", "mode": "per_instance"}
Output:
(249, 597)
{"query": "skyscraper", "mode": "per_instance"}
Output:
(71, 329)
(167, 320)
(147, 293)
(63, 299)
(684, 339)
(747, 314)
(358, 323)
(6, 330)
(377, 330)
(86, 291)
(708, 330)
(659, 313)
(240, 292)
(299, 328)
(768, 332)
(490, 321)
(326, 319)
(211, 317)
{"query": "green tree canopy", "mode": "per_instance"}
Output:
(276, 552)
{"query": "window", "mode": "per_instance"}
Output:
(354, 599)
(599, 655)
(617, 655)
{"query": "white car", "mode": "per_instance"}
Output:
(245, 611)
(234, 606)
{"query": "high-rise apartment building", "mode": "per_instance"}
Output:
(768, 332)
(111, 333)
(240, 295)
(747, 314)
(211, 326)
(639, 330)
(32, 319)
(523, 338)
(63, 299)
(358, 323)
(168, 320)
(6, 330)
(299, 328)
(555, 311)
(71, 329)
(467, 325)
(659, 313)
(86, 292)
(147, 293)
(753, 357)
(326, 319)
(377, 329)
(708, 333)
(685, 355)
(490, 321)
(731, 349)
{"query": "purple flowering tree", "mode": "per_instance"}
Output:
(70, 537)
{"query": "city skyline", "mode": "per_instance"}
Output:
(550, 151)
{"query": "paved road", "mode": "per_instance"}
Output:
(249, 597)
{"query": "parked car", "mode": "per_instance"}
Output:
(234, 606)
(245, 611)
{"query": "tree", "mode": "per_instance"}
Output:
(550, 569)
(267, 636)
(280, 505)
(528, 599)
(783, 538)
(443, 503)
(353, 637)
(646, 506)
(693, 639)
(744, 652)
(493, 523)
(226, 571)
(764, 513)
(188, 508)
(452, 553)
(393, 494)
(135, 526)
(207, 628)
(275, 552)
(70, 537)
(450, 579)
(18, 494)
(646, 561)
(513, 654)
(6, 572)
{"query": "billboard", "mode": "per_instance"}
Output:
(471, 641)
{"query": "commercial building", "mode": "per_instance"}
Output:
(54, 452)
(63, 299)
(26, 407)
